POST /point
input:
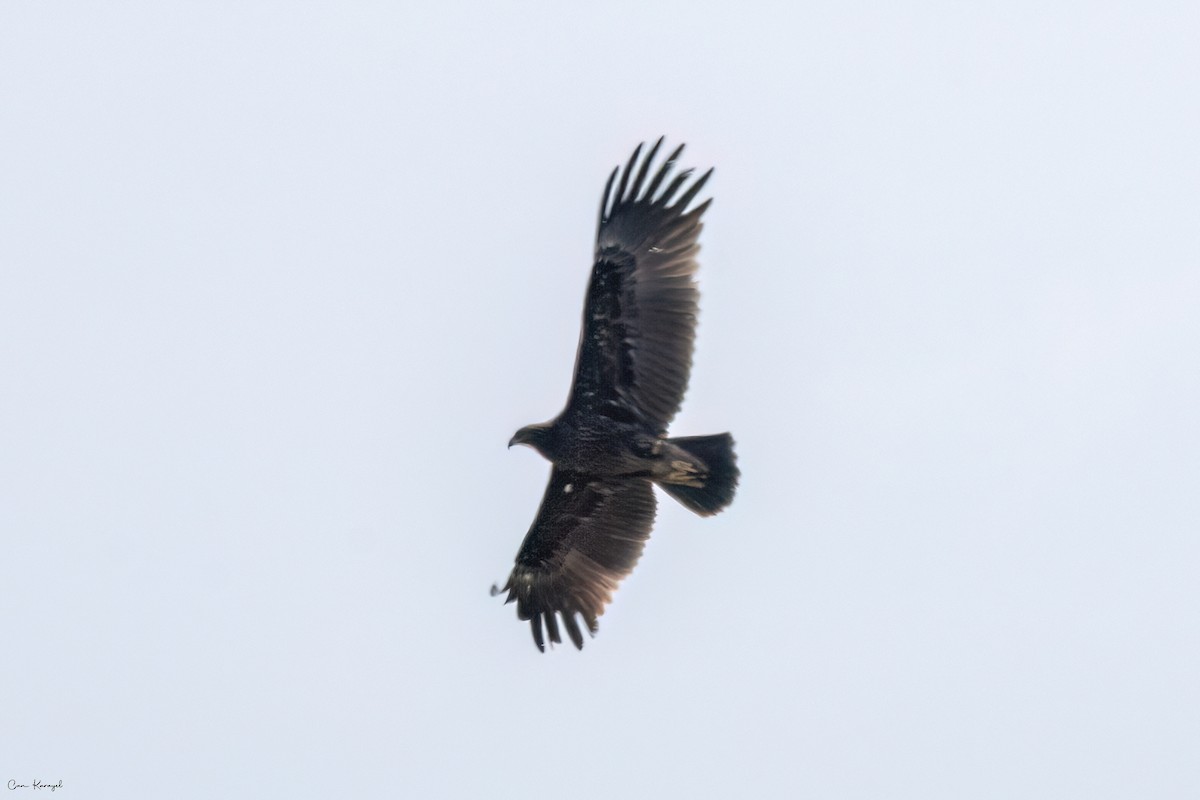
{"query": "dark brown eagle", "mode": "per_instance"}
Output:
(610, 445)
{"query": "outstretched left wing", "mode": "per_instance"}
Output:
(639, 316)
(588, 535)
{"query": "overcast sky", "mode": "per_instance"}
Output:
(278, 282)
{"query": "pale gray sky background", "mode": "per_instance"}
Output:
(278, 281)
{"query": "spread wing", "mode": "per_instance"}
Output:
(587, 536)
(639, 318)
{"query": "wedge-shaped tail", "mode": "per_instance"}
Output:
(719, 482)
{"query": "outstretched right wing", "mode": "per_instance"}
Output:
(587, 536)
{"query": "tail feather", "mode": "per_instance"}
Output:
(720, 480)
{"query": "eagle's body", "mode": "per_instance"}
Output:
(601, 446)
(610, 444)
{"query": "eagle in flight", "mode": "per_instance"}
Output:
(610, 445)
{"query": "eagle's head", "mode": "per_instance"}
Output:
(536, 436)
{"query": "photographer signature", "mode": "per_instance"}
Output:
(35, 785)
